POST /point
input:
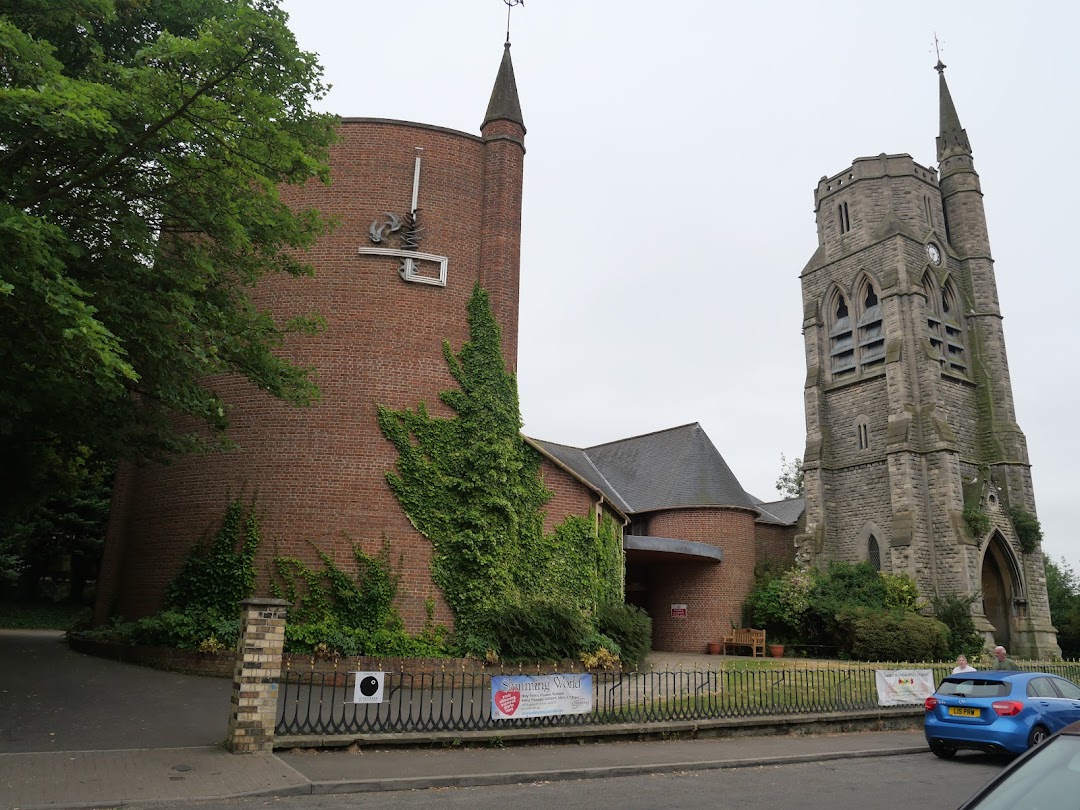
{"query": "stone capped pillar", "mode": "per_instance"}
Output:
(255, 679)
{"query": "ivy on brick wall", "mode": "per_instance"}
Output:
(472, 486)
(364, 601)
(219, 572)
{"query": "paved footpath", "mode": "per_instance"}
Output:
(127, 777)
(77, 731)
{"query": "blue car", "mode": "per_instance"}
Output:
(998, 711)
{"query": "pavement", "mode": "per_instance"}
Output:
(58, 746)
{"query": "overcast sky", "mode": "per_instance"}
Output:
(673, 150)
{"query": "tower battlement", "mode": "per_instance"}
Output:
(871, 168)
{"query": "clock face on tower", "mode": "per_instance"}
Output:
(934, 253)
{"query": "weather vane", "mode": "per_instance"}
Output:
(940, 66)
(509, 5)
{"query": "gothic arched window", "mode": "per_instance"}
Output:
(841, 340)
(871, 330)
(934, 330)
(873, 553)
(954, 333)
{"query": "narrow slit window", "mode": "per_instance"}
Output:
(843, 218)
(863, 435)
(929, 214)
(873, 553)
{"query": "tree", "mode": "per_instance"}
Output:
(1063, 591)
(142, 147)
(61, 538)
(790, 482)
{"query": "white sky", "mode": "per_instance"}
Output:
(673, 149)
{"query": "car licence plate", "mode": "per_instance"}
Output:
(962, 711)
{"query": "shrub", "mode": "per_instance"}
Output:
(536, 630)
(630, 627)
(180, 629)
(977, 520)
(896, 636)
(779, 604)
(842, 587)
(954, 611)
(1028, 530)
(901, 592)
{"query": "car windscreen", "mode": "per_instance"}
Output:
(974, 687)
(1049, 778)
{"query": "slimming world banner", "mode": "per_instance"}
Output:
(540, 695)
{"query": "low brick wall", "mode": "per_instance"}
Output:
(188, 662)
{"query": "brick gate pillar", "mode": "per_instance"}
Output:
(255, 679)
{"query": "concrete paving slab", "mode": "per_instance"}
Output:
(110, 778)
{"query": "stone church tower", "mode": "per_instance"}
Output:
(914, 460)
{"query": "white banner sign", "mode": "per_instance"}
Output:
(540, 695)
(899, 687)
(368, 687)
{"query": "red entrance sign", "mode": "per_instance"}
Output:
(678, 611)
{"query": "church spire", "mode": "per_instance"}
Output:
(504, 104)
(953, 139)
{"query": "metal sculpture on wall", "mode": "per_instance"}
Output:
(415, 266)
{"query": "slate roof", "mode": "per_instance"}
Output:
(504, 103)
(783, 513)
(670, 468)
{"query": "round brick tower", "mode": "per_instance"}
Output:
(424, 214)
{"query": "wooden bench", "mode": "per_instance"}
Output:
(745, 637)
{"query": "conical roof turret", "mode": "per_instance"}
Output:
(953, 139)
(504, 104)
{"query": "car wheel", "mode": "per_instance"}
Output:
(941, 750)
(1037, 736)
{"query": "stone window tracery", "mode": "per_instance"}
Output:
(841, 339)
(871, 331)
(873, 553)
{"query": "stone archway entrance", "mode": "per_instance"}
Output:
(997, 589)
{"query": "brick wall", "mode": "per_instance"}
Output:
(774, 543)
(317, 474)
(713, 592)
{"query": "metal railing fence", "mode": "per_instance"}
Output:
(320, 703)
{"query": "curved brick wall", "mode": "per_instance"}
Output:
(713, 592)
(318, 473)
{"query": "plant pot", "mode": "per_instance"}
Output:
(776, 650)
(713, 647)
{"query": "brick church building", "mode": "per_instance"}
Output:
(426, 213)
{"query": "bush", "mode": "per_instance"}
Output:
(1028, 530)
(844, 586)
(180, 629)
(896, 636)
(630, 627)
(535, 630)
(780, 604)
(954, 611)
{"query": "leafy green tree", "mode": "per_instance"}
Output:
(142, 148)
(62, 537)
(1063, 590)
(790, 482)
